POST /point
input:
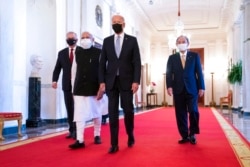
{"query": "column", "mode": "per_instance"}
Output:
(164, 103)
(13, 85)
(212, 102)
(34, 103)
(6, 52)
(246, 58)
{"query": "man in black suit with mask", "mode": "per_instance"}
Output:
(119, 76)
(64, 62)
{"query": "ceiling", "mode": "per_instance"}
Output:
(199, 16)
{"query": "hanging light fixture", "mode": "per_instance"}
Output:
(151, 2)
(179, 28)
(179, 25)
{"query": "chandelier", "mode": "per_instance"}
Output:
(179, 25)
(179, 28)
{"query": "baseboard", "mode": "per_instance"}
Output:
(14, 129)
(55, 121)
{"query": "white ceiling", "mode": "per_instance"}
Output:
(199, 16)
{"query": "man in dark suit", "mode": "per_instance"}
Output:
(184, 79)
(64, 63)
(119, 76)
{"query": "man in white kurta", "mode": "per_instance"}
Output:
(88, 105)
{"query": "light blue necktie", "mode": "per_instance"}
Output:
(117, 50)
(117, 46)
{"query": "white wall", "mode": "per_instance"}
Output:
(38, 27)
(41, 40)
(13, 85)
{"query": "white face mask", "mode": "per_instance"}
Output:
(182, 47)
(86, 43)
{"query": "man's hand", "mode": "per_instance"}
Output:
(135, 87)
(54, 85)
(101, 91)
(99, 95)
(201, 92)
(102, 87)
(170, 91)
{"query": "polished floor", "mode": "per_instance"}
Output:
(235, 118)
(239, 121)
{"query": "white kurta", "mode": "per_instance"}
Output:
(87, 107)
(104, 104)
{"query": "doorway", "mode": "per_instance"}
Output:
(200, 51)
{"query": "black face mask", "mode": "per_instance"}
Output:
(117, 28)
(71, 41)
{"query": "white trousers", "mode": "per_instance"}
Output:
(87, 108)
(80, 126)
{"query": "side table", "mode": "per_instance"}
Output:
(151, 99)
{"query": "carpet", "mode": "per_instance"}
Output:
(156, 146)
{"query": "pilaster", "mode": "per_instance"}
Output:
(246, 57)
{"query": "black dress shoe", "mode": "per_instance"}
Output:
(183, 140)
(193, 139)
(77, 145)
(97, 140)
(68, 136)
(131, 141)
(113, 149)
(71, 135)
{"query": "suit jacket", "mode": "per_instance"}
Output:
(63, 63)
(129, 63)
(191, 77)
(86, 78)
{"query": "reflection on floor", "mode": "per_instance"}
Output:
(236, 118)
(34, 132)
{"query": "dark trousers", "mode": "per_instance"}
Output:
(126, 97)
(187, 105)
(69, 103)
(104, 118)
